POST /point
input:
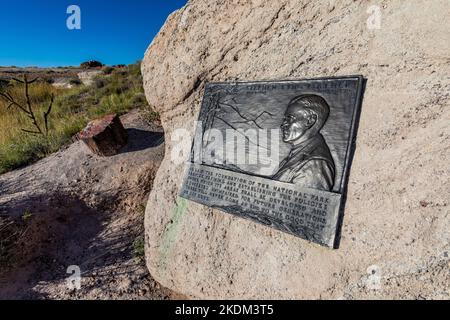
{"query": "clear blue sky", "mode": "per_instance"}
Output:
(34, 32)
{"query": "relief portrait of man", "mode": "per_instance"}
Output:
(309, 162)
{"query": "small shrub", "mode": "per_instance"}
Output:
(139, 100)
(91, 64)
(135, 69)
(108, 70)
(27, 215)
(139, 248)
(100, 82)
(141, 209)
(75, 82)
(4, 83)
(121, 72)
(150, 115)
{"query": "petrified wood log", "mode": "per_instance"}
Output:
(104, 136)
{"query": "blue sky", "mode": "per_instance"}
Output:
(34, 32)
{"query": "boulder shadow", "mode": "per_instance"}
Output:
(139, 140)
(63, 232)
(351, 155)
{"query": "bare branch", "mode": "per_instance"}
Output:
(18, 80)
(30, 108)
(12, 102)
(25, 80)
(9, 96)
(5, 96)
(47, 113)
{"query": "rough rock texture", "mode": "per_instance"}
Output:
(64, 83)
(87, 77)
(396, 225)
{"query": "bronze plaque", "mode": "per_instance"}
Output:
(277, 152)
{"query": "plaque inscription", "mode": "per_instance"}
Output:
(276, 152)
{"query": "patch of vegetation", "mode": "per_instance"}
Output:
(141, 209)
(3, 83)
(151, 115)
(108, 70)
(117, 92)
(24, 104)
(27, 215)
(139, 248)
(91, 64)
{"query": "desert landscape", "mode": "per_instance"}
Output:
(120, 217)
(73, 192)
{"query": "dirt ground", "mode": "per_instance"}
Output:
(77, 209)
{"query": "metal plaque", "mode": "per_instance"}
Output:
(277, 152)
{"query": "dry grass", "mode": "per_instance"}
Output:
(11, 121)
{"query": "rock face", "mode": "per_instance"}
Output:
(87, 77)
(396, 233)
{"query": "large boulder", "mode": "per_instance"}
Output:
(396, 232)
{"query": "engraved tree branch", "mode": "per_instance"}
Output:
(215, 105)
(27, 108)
(245, 118)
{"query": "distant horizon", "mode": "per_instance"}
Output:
(36, 34)
(65, 66)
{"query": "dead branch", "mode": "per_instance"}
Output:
(17, 80)
(28, 107)
(47, 113)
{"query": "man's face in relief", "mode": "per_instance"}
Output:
(296, 123)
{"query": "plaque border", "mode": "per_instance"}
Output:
(349, 153)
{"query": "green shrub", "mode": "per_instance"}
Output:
(139, 248)
(100, 82)
(108, 70)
